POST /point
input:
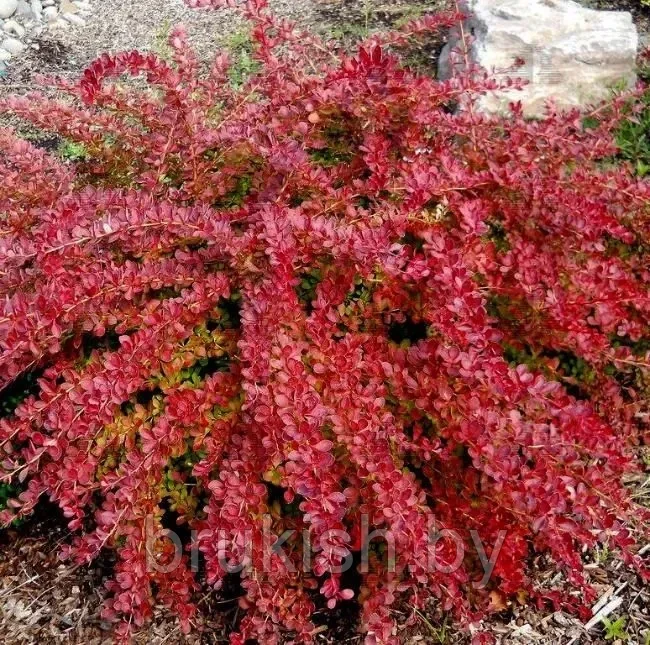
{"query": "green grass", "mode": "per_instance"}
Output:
(615, 629)
(633, 135)
(6, 493)
(72, 151)
(160, 44)
(241, 47)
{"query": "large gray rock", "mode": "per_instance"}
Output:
(571, 54)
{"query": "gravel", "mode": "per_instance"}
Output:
(72, 40)
(63, 36)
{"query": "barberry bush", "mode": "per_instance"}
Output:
(331, 297)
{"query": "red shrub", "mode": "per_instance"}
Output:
(322, 300)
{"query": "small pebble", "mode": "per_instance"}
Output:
(50, 13)
(12, 45)
(74, 19)
(12, 27)
(24, 9)
(8, 8)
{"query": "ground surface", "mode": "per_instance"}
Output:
(143, 24)
(47, 602)
(117, 25)
(44, 601)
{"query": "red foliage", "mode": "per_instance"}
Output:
(318, 300)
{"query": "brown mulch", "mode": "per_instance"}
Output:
(41, 599)
(45, 601)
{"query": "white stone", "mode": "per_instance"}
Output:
(37, 8)
(13, 46)
(83, 8)
(68, 7)
(571, 54)
(24, 9)
(74, 19)
(8, 8)
(50, 13)
(12, 27)
(4, 55)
